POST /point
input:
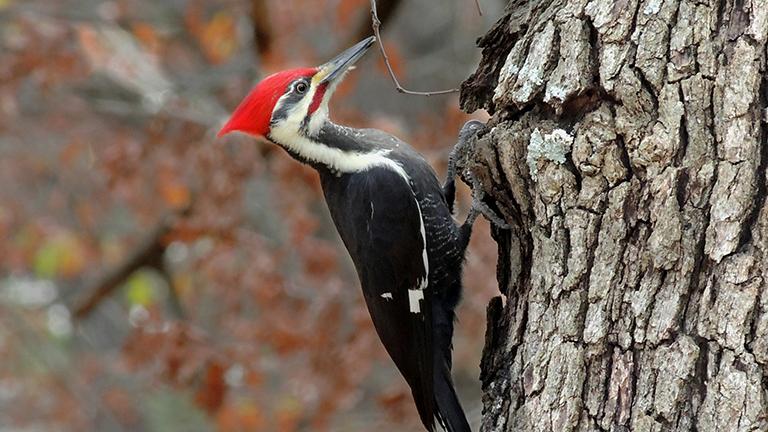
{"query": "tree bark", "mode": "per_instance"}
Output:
(628, 151)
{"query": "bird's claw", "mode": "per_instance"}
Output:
(467, 132)
(480, 207)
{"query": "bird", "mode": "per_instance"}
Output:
(393, 215)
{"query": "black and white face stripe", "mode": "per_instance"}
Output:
(294, 94)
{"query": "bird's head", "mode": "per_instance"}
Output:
(293, 102)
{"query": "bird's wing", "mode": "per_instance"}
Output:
(383, 229)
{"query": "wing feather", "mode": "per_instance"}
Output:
(380, 222)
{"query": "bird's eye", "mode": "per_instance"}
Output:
(301, 87)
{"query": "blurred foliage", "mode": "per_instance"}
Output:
(108, 111)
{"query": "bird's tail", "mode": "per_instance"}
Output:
(450, 414)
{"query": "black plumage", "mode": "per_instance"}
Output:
(378, 214)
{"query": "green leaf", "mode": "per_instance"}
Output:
(141, 289)
(47, 260)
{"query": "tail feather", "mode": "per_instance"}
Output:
(450, 414)
(425, 406)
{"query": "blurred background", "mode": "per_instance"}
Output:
(153, 278)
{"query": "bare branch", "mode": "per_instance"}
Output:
(148, 253)
(262, 28)
(398, 87)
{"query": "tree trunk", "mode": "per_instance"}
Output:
(628, 152)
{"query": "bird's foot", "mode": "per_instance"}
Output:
(467, 132)
(480, 207)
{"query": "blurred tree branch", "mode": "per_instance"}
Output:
(148, 253)
(262, 28)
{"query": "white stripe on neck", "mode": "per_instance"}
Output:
(340, 161)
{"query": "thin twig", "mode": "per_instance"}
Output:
(398, 87)
(479, 9)
(386, 9)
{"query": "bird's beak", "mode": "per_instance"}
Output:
(336, 68)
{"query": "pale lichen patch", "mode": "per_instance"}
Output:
(550, 147)
(538, 64)
(652, 7)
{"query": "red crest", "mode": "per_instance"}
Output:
(254, 112)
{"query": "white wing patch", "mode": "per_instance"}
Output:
(414, 295)
(387, 295)
(414, 298)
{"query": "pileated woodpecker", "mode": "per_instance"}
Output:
(392, 214)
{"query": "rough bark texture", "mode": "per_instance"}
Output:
(628, 151)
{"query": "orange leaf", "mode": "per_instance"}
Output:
(175, 194)
(219, 38)
(320, 258)
(173, 191)
(121, 406)
(210, 395)
(345, 10)
(146, 35)
(71, 151)
(92, 45)
(241, 417)
(288, 415)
